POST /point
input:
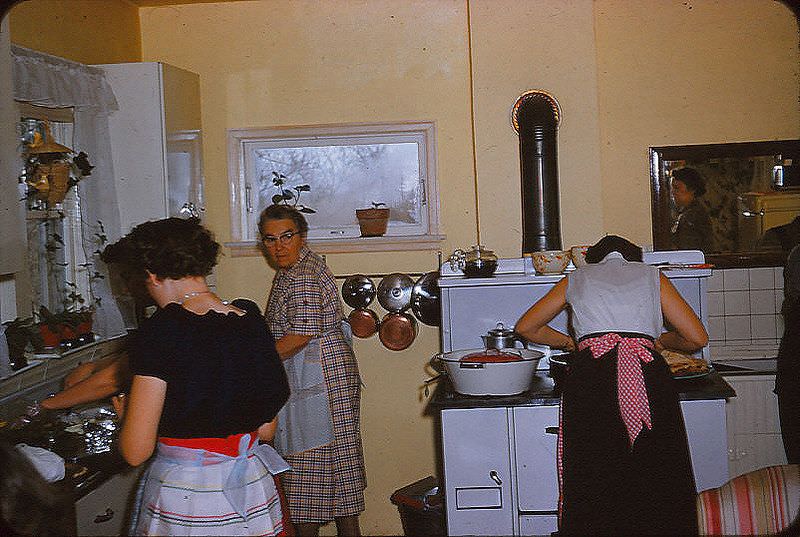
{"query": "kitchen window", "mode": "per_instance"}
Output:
(58, 266)
(346, 167)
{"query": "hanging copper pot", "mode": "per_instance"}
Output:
(363, 322)
(397, 331)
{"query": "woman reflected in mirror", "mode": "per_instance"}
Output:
(691, 229)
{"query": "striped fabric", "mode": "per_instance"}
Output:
(329, 481)
(761, 502)
(188, 499)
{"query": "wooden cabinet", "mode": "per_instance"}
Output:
(107, 509)
(754, 432)
(155, 141)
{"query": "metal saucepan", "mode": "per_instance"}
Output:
(397, 331)
(394, 292)
(363, 322)
(358, 291)
(500, 338)
(425, 301)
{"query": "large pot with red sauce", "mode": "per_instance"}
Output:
(490, 371)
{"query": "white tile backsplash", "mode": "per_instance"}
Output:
(715, 303)
(715, 281)
(762, 301)
(737, 302)
(736, 280)
(737, 328)
(743, 307)
(763, 326)
(762, 278)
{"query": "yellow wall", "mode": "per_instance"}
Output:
(628, 75)
(86, 31)
(673, 73)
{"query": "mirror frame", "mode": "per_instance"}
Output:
(660, 194)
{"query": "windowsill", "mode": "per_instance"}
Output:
(385, 243)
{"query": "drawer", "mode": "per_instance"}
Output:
(543, 524)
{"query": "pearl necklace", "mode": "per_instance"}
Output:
(193, 294)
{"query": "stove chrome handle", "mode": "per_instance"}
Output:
(495, 477)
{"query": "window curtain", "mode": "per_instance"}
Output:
(55, 82)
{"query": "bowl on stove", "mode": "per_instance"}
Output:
(550, 261)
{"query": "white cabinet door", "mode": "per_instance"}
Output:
(107, 509)
(155, 140)
(708, 441)
(753, 424)
(477, 467)
(535, 444)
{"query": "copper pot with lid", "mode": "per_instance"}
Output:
(397, 330)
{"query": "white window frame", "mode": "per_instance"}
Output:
(244, 214)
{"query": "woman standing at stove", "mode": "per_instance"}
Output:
(623, 460)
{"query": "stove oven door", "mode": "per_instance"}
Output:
(535, 444)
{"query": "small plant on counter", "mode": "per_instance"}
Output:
(287, 197)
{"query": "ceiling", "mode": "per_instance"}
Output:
(154, 3)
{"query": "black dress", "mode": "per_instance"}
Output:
(608, 487)
(692, 230)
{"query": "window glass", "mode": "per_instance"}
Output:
(345, 168)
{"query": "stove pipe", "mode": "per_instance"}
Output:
(535, 117)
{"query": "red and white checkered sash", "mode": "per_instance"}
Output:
(634, 406)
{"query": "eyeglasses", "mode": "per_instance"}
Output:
(284, 238)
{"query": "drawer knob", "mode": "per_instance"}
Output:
(109, 514)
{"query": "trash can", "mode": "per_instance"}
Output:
(421, 508)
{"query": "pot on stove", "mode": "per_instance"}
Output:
(500, 338)
(490, 377)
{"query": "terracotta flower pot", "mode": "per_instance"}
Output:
(50, 338)
(372, 222)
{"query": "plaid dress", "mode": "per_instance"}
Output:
(328, 481)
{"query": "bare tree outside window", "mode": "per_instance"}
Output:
(347, 167)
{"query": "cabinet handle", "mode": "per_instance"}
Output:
(99, 519)
(495, 477)
(551, 430)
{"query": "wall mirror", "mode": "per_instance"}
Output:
(749, 212)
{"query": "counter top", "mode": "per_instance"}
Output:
(544, 392)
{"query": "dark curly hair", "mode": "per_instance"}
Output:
(613, 243)
(170, 248)
(691, 178)
(283, 212)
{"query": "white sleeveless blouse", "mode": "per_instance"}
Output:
(615, 295)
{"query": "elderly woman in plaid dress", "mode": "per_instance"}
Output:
(319, 433)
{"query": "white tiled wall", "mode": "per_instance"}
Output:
(744, 307)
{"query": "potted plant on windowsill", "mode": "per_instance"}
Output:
(373, 221)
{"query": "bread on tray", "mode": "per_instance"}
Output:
(681, 364)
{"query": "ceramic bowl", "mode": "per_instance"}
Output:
(550, 261)
(578, 254)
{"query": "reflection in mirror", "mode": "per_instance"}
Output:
(738, 202)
